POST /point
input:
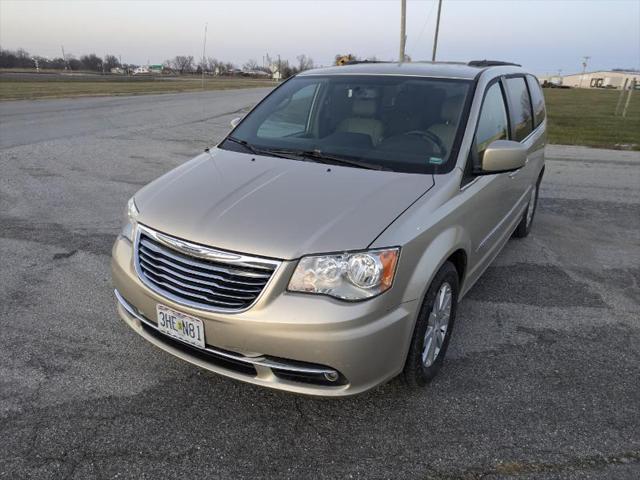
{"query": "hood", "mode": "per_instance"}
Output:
(276, 207)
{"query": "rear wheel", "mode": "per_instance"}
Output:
(433, 327)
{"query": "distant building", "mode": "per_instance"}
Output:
(156, 68)
(601, 79)
(554, 79)
(117, 70)
(141, 70)
(275, 72)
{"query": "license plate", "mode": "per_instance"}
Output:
(180, 326)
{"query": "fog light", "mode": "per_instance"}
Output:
(331, 376)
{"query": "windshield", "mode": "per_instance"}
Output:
(399, 123)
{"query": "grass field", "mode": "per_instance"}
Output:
(57, 87)
(586, 117)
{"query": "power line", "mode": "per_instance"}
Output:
(423, 27)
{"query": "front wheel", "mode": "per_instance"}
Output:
(433, 327)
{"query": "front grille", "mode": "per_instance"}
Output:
(223, 285)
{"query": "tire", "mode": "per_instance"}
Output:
(524, 227)
(418, 371)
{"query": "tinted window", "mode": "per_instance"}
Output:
(520, 105)
(492, 124)
(400, 123)
(537, 99)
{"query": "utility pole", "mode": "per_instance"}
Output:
(621, 97)
(435, 38)
(626, 105)
(204, 46)
(64, 58)
(403, 26)
(584, 68)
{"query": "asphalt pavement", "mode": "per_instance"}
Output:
(542, 379)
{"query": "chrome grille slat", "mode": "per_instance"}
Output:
(199, 263)
(259, 282)
(198, 288)
(194, 295)
(209, 283)
(208, 279)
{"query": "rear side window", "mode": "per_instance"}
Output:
(520, 107)
(492, 124)
(537, 100)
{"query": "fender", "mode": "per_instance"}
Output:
(438, 251)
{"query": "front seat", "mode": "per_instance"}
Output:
(446, 130)
(362, 121)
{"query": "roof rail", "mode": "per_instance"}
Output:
(491, 63)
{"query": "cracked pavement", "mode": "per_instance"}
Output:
(542, 379)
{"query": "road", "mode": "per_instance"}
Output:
(542, 380)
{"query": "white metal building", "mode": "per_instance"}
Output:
(601, 79)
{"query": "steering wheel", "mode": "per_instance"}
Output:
(430, 137)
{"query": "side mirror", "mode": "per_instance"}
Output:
(234, 123)
(503, 156)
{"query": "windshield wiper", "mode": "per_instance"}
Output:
(260, 151)
(244, 143)
(313, 155)
(319, 156)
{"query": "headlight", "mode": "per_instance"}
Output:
(348, 276)
(131, 215)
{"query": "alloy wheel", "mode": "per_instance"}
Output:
(438, 325)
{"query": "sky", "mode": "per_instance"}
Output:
(545, 36)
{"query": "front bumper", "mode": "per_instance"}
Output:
(296, 342)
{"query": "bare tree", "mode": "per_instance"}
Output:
(287, 70)
(218, 67)
(251, 64)
(91, 62)
(73, 62)
(182, 63)
(19, 58)
(110, 61)
(304, 62)
(213, 65)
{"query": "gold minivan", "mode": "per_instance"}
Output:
(323, 246)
